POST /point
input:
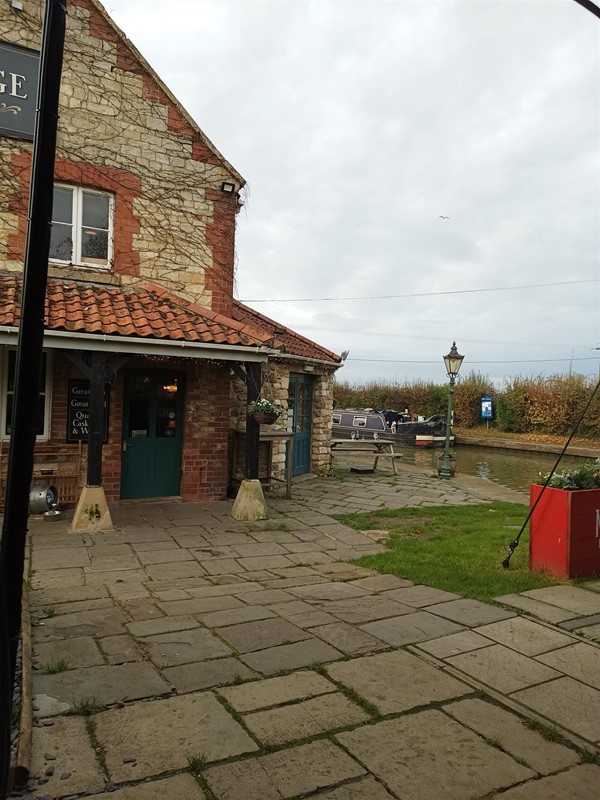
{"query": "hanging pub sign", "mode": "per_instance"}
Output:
(78, 412)
(19, 69)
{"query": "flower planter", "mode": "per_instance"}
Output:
(264, 417)
(564, 537)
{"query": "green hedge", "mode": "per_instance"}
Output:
(549, 405)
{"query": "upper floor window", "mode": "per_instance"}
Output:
(82, 227)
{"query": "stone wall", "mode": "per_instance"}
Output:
(276, 381)
(120, 131)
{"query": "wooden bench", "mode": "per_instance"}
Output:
(379, 447)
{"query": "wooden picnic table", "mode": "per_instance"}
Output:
(382, 448)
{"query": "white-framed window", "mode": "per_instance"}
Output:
(82, 227)
(359, 422)
(7, 383)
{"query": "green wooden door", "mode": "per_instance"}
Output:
(152, 434)
(300, 402)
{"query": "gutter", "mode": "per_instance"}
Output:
(64, 340)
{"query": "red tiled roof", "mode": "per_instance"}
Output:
(289, 341)
(147, 312)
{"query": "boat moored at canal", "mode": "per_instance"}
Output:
(370, 424)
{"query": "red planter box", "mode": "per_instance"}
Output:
(564, 532)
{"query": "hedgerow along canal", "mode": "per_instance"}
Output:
(516, 469)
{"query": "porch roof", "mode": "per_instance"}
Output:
(139, 319)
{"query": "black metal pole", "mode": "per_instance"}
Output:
(96, 420)
(28, 366)
(253, 374)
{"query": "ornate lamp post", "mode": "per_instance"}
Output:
(453, 363)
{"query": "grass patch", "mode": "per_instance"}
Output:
(90, 726)
(54, 667)
(549, 732)
(588, 757)
(48, 611)
(361, 701)
(196, 762)
(86, 706)
(456, 548)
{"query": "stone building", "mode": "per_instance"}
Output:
(141, 269)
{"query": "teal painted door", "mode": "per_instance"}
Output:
(300, 403)
(152, 434)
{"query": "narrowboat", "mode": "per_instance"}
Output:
(371, 424)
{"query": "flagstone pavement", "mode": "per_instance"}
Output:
(188, 655)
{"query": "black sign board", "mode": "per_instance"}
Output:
(19, 69)
(78, 412)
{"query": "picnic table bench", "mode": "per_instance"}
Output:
(381, 448)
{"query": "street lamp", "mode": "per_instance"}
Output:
(453, 362)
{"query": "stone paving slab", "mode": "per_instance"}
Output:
(328, 591)
(470, 612)
(382, 583)
(571, 704)
(348, 639)
(153, 627)
(291, 656)
(164, 556)
(419, 596)
(454, 644)
(580, 622)
(169, 572)
(275, 691)
(580, 661)
(397, 681)
(60, 557)
(71, 753)
(300, 720)
(207, 674)
(79, 652)
(579, 783)
(525, 636)
(252, 636)
(364, 609)
(141, 608)
(410, 628)
(591, 632)
(502, 669)
(191, 724)
(542, 611)
(181, 647)
(99, 622)
(235, 616)
(364, 789)
(285, 774)
(120, 649)
(53, 579)
(493, 722)
(572, 598)
(66, 594)
(106, 685)
(419, 756)
(200, 605)
(179, 787)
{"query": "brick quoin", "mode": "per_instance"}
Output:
(220, 234)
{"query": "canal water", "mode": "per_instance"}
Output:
(515, 469)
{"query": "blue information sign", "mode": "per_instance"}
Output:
(487, 410)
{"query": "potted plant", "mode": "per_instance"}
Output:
(564, 535)
(265, 412)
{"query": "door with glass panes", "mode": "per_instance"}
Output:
(300, 414)
(152, 434)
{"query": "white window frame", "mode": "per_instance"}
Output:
(47, 389)
(77, 226)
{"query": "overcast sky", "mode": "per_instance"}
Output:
(357, 124)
